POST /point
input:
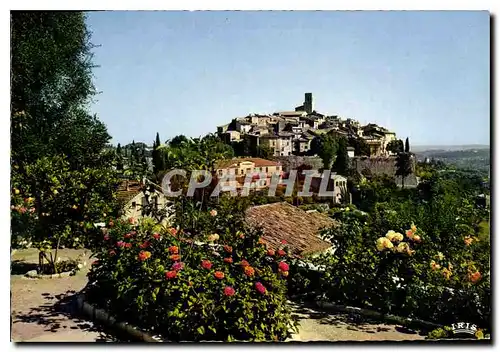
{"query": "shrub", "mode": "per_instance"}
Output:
(212, 280)
(407, 272)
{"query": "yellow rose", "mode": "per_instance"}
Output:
(398, 237)
(390, 235)
(440, 256)
(383, 243)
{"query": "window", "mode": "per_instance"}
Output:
(267, 169)
(134, 205)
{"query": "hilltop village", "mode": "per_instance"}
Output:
(293, 132)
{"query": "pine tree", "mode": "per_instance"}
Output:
(341, 164)
(407, 145)
(403, 166)
(119, 157)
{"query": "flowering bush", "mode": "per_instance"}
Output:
(53, 205)
(412, 275)
(189, 286)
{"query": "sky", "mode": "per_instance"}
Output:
(423, 75)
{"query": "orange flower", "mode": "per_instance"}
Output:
(228, 260)
(219, 275)
(446, 273)
(228, 249)
(143, 255)
(262, 241)
(244, 263)
(249, 271)
(175, 257)
(409, 234)
(213, 212)
(173, 231)
(173, 250)
(271, 252)
(468, 240)
(475, 277)
(417, 238)
(131, 221)
(284, 273)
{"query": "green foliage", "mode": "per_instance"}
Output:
(395, 146)
(361, 148)
(445, 280)
(195, 154)
(403, 166)
(54, 205)
(341, 164)
(325, 146)
(50, 88)
(196, 281)
(61, 176)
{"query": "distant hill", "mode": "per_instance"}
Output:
(476, 157)
(424, 148)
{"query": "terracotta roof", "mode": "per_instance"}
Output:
(259, 162)
(125, 195)
(282, 221)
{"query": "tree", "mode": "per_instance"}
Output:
(58, 152)
(341, 164)
(395, 146)
(264, 151)
(158, 157)
(403, 166)
(361, 148)
(325, 147)
(119, 157)
(51, 86)
(407, 145)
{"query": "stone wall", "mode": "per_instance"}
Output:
(377, 165)
(293, 162)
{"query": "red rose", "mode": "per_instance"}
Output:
(178, 266)
(128, 245)
(229, 291)
(228, 260)
(281, 253)
(144, 245)
(120, 244)
(283, 242)
(127, 235)
(173, 250)
(106, 237)
(260, 288)
(244, 263)
(111, 252)
(228, 249)
(206, 264)
(219, 275)
(156, 236)
(283, 266)
(172, 231)
(271, 252)
(170, 274)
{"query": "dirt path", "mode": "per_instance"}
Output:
(316, 325)
(43, 309)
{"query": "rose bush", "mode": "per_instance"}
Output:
(403, 270)
(187, 284)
